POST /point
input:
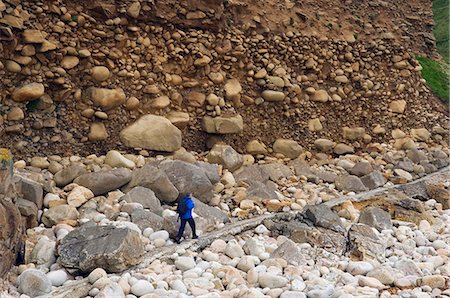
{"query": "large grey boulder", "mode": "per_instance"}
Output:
(373, 180)
(350, 183)
(34, 283)
(104, 181)
(365, 243)
(376, 217)
(187, 178)
(144, 196)
(322, 216)
(209, 212)
(89, 247)
(302, 168)
(147, 219)
(67, 175)
(32, 191)
(252, 174)
(152, 132)
(361, 168)
(155, 179)
(277, 171)
(211, 170)
(258, 191)
(225, 155)
(291, 252)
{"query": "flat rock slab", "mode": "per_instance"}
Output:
(102, 182)
(113, 249)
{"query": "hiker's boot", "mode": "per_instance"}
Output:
(195, 237)
(178, 240)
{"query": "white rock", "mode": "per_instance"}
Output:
(159, 242)
(261, 229)
(218, 245)
(268, 280)
(185, 263)
(246, 263)
(57, 277)
(254, 247)
(298, 285)
(178, 286)
(96, 274)
(34, 283)
(141, 287)
(292, 294)
(79, 195)
(359, 268)
(162, 234)
(370, 282)
(116, 159)
(233, 249)
(147, 232)
(50, 197)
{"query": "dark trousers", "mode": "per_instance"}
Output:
(183, 225)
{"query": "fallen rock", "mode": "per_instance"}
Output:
(144, 196)
(354, 133)
(147, 219)
(233, 90)
(320, 96)
(223, 125)
(322, 216)
(324, 145)
(32, 191)
(373, 180)
(100, 73)
(107, 99)
(376, 217)
(116, 160)
(107, 247)
(28, 92)
(104, 181)
(398, 106)
(78, 196)
(225, 155)
(67, 175)
(271, 281)
(60, 214)
(288, 148)
(98, 132)
(270, 95)
(350, 183)
(34, 283)
(365, 243)
(152, 132)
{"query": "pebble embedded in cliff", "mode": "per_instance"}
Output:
(100, 73)
(233, 90)
(107, 99)
(152, 132)
(33, 36)
(271, 95)
(398, 106)
(223, 125)
(288, 148)
(28, 92)
(321, 96)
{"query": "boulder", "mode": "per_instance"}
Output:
(147, 219)
(350, 183)
(361, 168)
(270, 95)
(353, 134)
(107, 247)
(324, 145)
(271, 281)
(277, 171)
(188, 178)
(376, 217)
(28, 92)
(107, 99)
(302, 168)
(98, 132)
(437, 188)
(223, 125)
(320, 96)
(10, 234)
(341, 149)
(322, 216)
(34, 283)
(225, 155)
(32, 191)
(104, 181)
(59, 214)
(255, 147)
(153, 178)
(179, 119)
(211, 170)
(365, 243)
(420, 134)
(144, 196)
(251, 174)
(233, 90)
(43, 253)
(288, 148)
(152, 132)
(68, 174)
(373, 180)
(291, 252)
(397, 106)
(209, 212)
(116, 160)
(258, 191)
(100, 73)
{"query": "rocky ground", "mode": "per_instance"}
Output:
(101, 226)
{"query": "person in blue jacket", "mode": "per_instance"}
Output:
(184, 209)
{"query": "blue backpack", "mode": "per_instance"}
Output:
(182, 206)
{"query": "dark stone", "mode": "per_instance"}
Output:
(209, 212)
(104, 181)
(29, 212)
(365, 243)
(251, 174)
(144, 196)
(277, 171)
(361, 168)
(322, 216)
(350, 183)
(147, 219)
(32, 191)
(67, 175)
(416, 156)
(376, 217)
(373, 180)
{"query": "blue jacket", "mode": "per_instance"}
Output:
(189, 206)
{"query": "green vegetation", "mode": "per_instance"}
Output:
(441, 29)
(436, 73)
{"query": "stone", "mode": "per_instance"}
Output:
(359, 268)
(141, 287)
(116, 160)
(196, 99)
(159, 103)
(144, 196)
(98, 132)
(320, 96)
(59, 214)
(437, 188)
(104, 181)
(155, 179)
(365, 243)
(32, 191)
(233, 249)
(179, 119)
(256, 147)
(361, 168)
(152, 132)
(315, 125)
(251, 174)
(433, 281)
(146, 219)
(233, 90)
(370, 282)
(69, 62)
(107, 99)
(78, 196)
(353, 134)
(291, 252)
(33, 36)
(209, 212)
(288, 148)
(373, 180)
(322, 216)
(384, 274)
(159, 235)
(68, 174)
(188, 178)
(342, 149)
(254, 247)
(11, 232)
(34, 283)
(273, 96)
(15, 114)
(350, 183)
(225, 155)
(324, 145)
(107, 247)
(420, 134)
(185, 263)
(28, 210)
(28, 92)
(376, 217)
(398, 106)
(134, 9)
(271, 281)
(408, 267)
(100, 73)
(57, 277)
(13, 66)
(223, 125)
(403, 174)
(277, 171)
(43, 253)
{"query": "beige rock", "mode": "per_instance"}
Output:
(378, 130)
(196, 99)
(261, 74)
(216, 77)
(212, 99)
(132, 103)
(160, 102)
(69, 62)
(202, 61)
(107, 99)
(179, 119)
(152, 132)
(233, 89)
(398, 106)
(223, 125)
(134, 9)
(315, 124)
(116, 160)
(47, 46)
(100, 73)
(343, 149)
(13, 66)
(320, 96)
(98, 132)
(341, 79)
(354, 133)
(256, 147)
(33, 36)
(398, 134)
(270, 95)
(420, 134)
(28, 92)
(288, 148)
(15, 114)
(324, 145)
(79, 195)
(39, 162)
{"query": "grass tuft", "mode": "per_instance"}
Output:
(437, 76)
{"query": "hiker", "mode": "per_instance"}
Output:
(184, 209)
